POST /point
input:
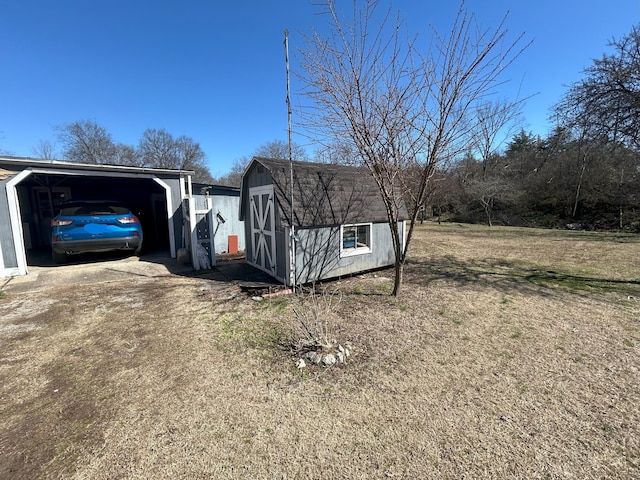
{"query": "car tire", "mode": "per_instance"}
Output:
(59, 257)
(137, 251)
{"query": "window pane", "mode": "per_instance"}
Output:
(356, 237)
(363, 236)
(349, 237)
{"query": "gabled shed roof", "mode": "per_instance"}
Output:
(324, 194)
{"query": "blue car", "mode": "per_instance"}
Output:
(94, 226)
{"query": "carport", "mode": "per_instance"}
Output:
(31, 190)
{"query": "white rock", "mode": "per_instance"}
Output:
(340, 356)
(300, 364)
(314, 357)
(329, 359)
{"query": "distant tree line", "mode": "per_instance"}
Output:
(585, 174)
(559, 181)
(271, 149)
(85, 141)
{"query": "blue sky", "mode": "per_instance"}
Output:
(214, 70)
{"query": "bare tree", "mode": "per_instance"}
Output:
(85, 141)
(496, 121)
(127, 155)
(277, 149)
(606, 103)
(370, 86)
(45, 149)
(280, 149)
(192, 157)
(488, 191)
(158, 149)
(234, 177)
(340, 152)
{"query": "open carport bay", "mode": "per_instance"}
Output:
(40, 196)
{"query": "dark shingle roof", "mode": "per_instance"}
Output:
(326, 194)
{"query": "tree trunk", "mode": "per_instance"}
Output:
(399, 267)
(487, 205)
(620, 218)
(578, 187)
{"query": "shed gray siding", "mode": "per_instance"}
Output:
(318, 253)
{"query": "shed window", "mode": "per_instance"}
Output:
(355, 239)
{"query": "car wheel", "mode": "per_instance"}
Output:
(59, 257)
(137, 251)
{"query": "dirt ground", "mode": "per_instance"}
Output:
(510, 353)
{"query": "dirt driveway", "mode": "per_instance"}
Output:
(93, 269)
(65, 332)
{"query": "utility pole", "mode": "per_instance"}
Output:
(292, 233)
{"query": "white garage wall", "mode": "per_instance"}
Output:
(228, 208)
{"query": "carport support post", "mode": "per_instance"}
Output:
(193, 234)
(212, 232)
(16, 222)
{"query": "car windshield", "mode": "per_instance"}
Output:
(92, 210)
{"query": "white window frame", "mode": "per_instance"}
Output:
(348, 252)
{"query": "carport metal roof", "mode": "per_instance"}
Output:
(22, 163)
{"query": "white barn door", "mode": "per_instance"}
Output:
(263, 238)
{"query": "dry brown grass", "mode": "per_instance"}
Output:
(510, 353)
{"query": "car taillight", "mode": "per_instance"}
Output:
(60, 222)
(127, 220)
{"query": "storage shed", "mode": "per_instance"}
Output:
(32, 189)
(339, 219)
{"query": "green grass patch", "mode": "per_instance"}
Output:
(237, 332)
(277, 304)
(552, 279)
